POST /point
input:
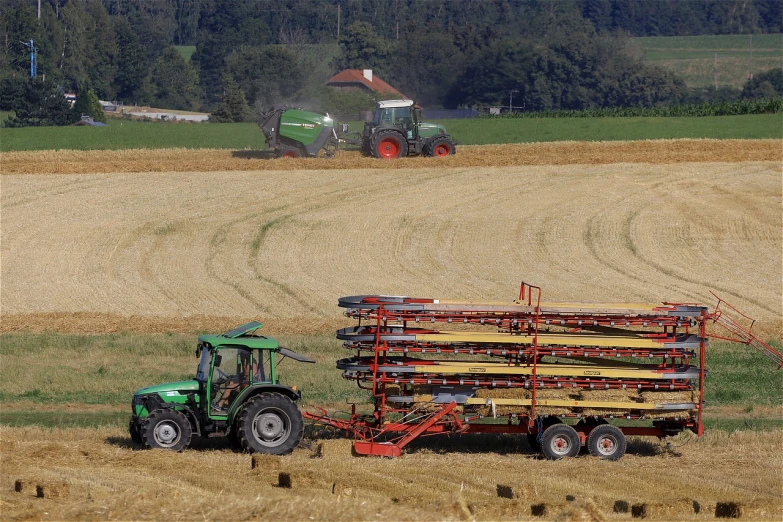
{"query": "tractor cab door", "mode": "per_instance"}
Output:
(231, 373)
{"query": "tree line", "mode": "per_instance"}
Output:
(249, 54)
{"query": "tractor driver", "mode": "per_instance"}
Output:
(236, 382)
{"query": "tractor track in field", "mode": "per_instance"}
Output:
(130, 248)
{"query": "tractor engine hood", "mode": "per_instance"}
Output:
(170, 388)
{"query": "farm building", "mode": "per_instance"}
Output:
(363, 80)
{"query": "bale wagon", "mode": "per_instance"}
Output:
(565, 375)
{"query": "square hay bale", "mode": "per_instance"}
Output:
(672, 397)
(639, 511)
(263, 462)
(664, 510)
(583, 510)
(728, 510)
(621, 506)
(540, 510)
(24, 486)
(334, 448)
(505, 491)
(53, 491)
(290, 480)
(611, 395)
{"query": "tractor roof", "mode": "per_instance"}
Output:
(242, 335)
(395, 103)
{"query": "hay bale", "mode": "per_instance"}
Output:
(53, 491)
(639, 511)
(539, 510)
(621, 506)
(290, 480)
(24, 486)
(610, 395)
(665, 510)
(264, 462)
(670, 397)
(504, 491)
(584, 510)
(334, 448)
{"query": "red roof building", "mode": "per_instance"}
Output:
(354, 78)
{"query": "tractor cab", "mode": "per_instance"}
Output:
(398, 113)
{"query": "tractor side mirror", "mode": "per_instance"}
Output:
(218, 360)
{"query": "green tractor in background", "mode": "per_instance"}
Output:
(236, 393)
(394, 132)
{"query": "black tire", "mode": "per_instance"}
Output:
(560, 440)
(166, 429)
(389, 144)
(440, 146)
(270, 423)
(135, 432)
(287, 151)
(606, 442)
(532, 438)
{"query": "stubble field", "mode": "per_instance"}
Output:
(183, 241)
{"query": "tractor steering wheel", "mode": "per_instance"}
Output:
(222, 377)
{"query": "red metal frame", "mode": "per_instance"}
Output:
(392, 426)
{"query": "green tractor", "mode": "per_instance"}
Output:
(396, 132)
(236, 393)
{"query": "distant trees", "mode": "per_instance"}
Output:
(765, 85)
(88, 104)
(559, 54)
(42, 104)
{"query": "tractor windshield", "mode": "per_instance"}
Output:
(203, 365)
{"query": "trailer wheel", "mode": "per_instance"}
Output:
(270, 423)
(286, 151)
(441, 146)
(532, 438)
(389, 144)
(560, 440)
(606, 442)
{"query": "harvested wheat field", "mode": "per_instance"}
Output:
(186, 241)
(127, 249)
(95, 474)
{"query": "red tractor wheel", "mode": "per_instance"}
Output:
(441, 147)
(389, 145)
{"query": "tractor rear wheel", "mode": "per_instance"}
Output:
(441, 146)
(166, 429)
(560, 440)
(389, 144)
(270, 423)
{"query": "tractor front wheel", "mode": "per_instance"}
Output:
(166, 429)
(389, 145)
(270, 423)
(441, 146)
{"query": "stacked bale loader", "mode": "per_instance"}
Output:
(561, 373)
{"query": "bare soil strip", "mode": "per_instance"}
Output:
(549, 153)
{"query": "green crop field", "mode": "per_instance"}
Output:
(127, 134)
(54, 370)
(694, 57)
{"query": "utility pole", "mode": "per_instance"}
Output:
(338, 23)
(30, 45)
(39, 9)
(750, 64)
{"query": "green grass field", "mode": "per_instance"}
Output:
(186, 51)
(94, 371)
(693, 57)
(127, 134)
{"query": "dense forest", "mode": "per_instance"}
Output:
(553, 54)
